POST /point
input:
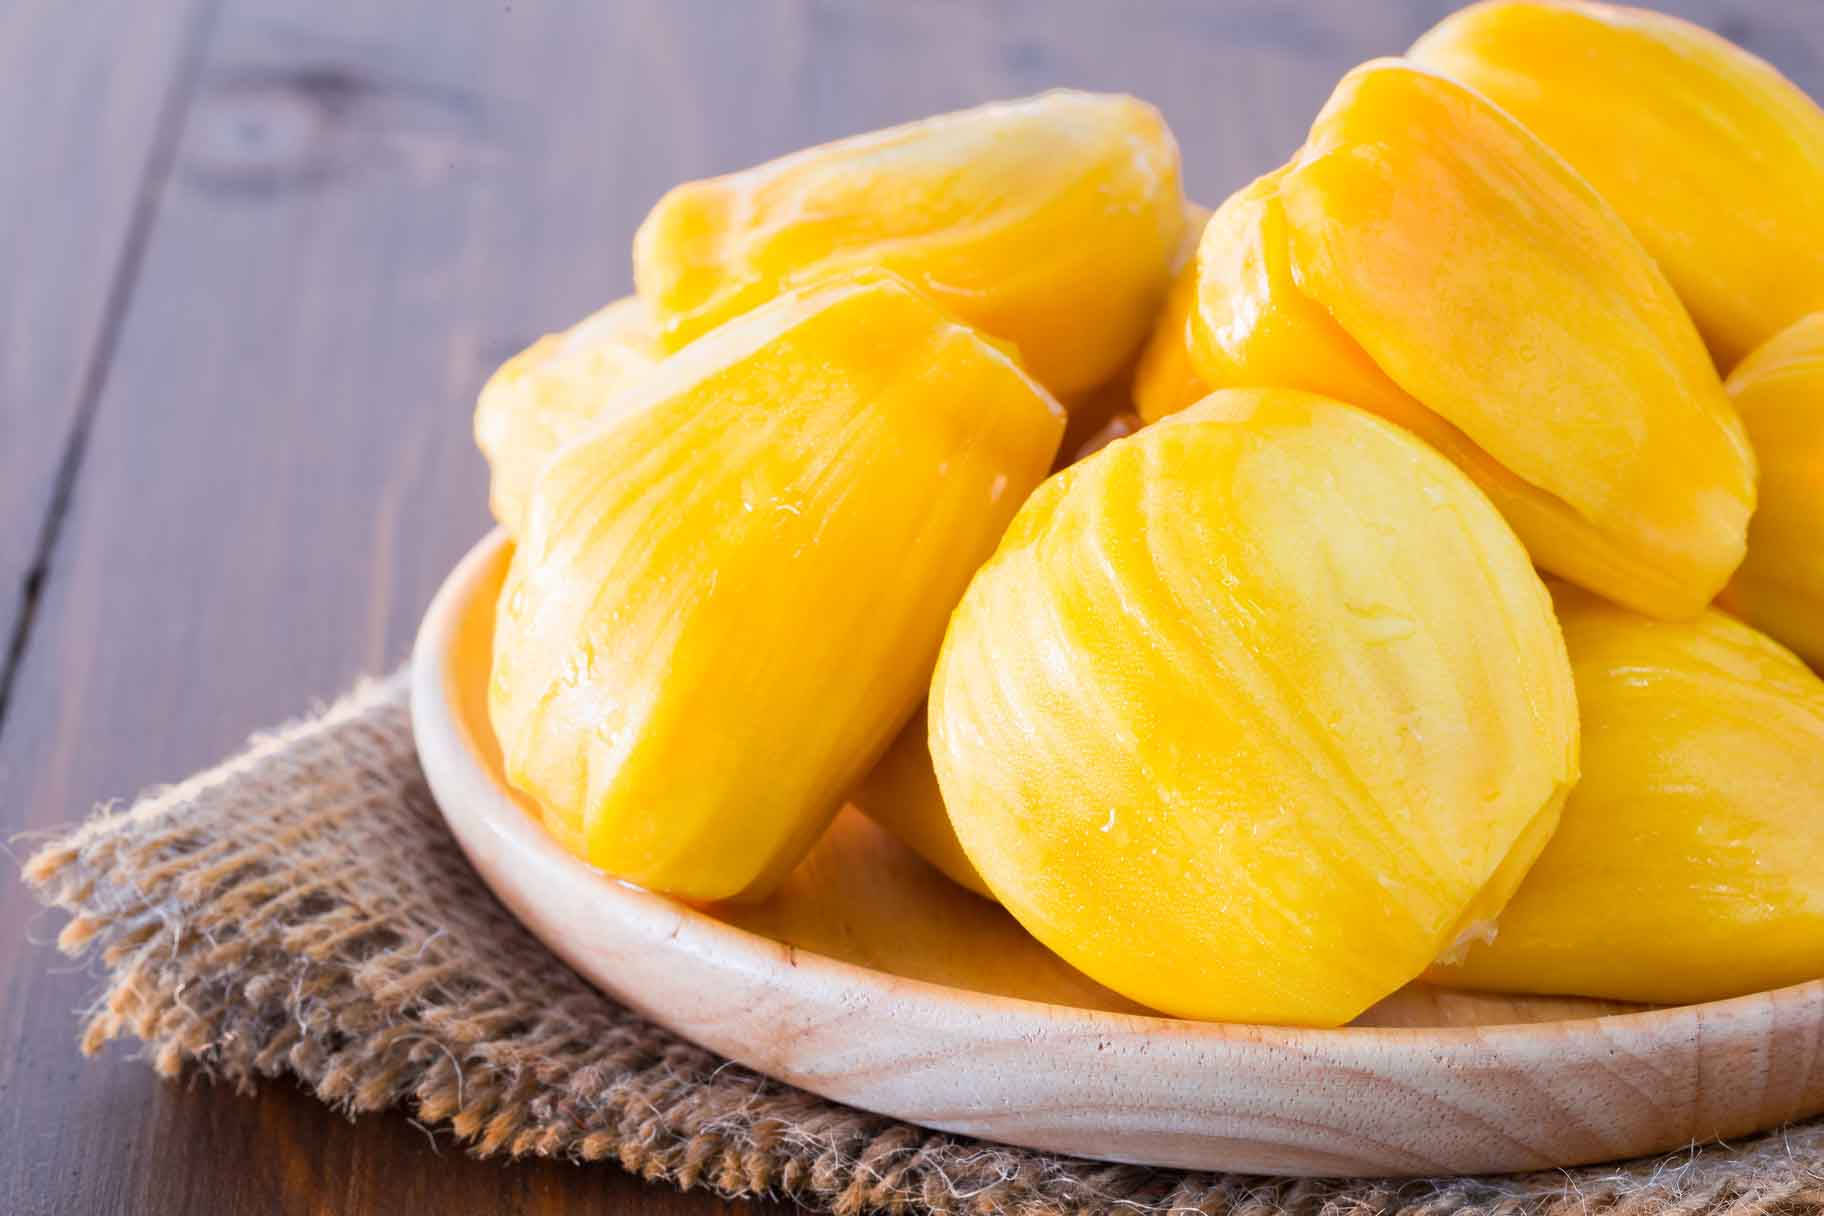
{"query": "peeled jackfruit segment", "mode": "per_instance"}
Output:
(1255, 713)
(901, 795)
(1689, 861)
(1425, 257)
(1779, 392)
(553, 391)
(1714, 159)
(1165, 379)
(728, 599)
(1048, 222)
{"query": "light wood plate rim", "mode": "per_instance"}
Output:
(788, 1012)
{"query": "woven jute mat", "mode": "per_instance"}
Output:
(301, 909)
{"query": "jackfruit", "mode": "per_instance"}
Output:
(1779, 392)
(1255, 713)
(727, 601)
(1425, 257)
(1714, 159)
(1689, 861)
(1048, 222)
(553, 391)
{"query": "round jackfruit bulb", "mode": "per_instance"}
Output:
(1255, 713)
(1689, 861)
(728, 600)
(1049, 222)
(1425, 257)
(552, 392)
(1779, 392)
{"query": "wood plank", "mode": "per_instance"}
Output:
(369, 206)
(86, 137)
(87, 134)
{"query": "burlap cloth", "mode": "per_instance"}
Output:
(301, 909)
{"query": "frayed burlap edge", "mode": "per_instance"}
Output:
(301, 910)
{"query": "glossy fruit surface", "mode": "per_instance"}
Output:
(1779, 392)
(1256, 712)
(1425, 257)
(727, 602)
(1049, 222)
(553, 391)
(1689, 862)
(1712, 157)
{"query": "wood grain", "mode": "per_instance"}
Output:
(86, 136)
(269, 295)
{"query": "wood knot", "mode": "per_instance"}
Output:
(264, 131)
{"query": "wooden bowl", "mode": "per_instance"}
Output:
(872, 980)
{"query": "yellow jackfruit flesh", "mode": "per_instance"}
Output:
(1255, 713)
(1425, 257)
(1165, 381)
(901, 795)
(1689, 861)
(1712, 157)
(553, 391)
(1779, 392)
(1049, 223)
(726, 601)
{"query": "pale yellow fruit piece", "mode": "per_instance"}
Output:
(1779, 392)
(1689, 861)
(1049, 222)
(727, 601)
(553, 391)
(1425, 257)
(901, 795)
(1713, 157)
(1255, 713)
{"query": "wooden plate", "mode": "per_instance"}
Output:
(874, 981)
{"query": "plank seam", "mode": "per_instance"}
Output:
(174, 108)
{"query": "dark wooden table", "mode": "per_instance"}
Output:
(259, 255)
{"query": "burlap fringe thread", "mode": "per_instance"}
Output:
(301, 909)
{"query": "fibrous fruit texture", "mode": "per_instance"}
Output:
(553, 391)
(1049, 223)
(1256, 712)
(1689, 862)
(727, 601)
(1425, 257)
(1712, 157)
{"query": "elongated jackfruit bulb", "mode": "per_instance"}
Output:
(553, 391)
(1713, 157)
(1255, 713)
(1689, 861)
(1779, 392)
(727, 602)
(901, 795)
(1425, 257)
(1049, 222)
